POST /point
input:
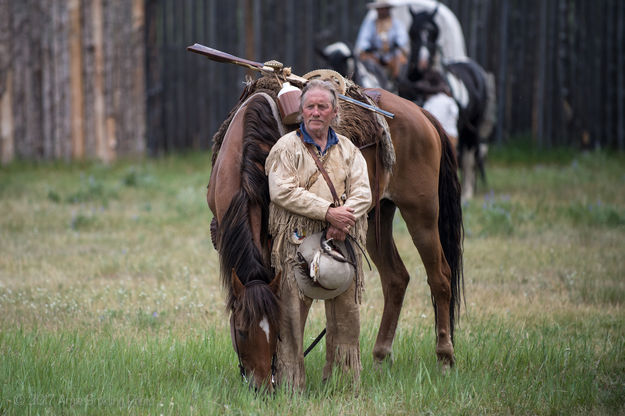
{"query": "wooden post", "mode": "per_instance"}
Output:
(138, 101)
(76, 80)
(620, 83)
(501, 76)
(103, 149)
(7, 139)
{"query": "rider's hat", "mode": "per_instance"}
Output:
(379, 4)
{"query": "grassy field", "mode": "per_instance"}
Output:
(110, 301)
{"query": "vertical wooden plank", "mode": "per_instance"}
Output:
(291, 30)
(620, 78)
(47, 82)
(310, 62)
(258, 33)
(138, 123)
(28, 20)
(7, 138)
(167, 69)
(62, 104)
(539, 104)
(472, 30)
(213, 107)
(194, 76)
(502, 71)
(597, 95)
(103, 150)
(111, 68)
(607, 125)
(76, 80)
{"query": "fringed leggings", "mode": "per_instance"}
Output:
(342, 336)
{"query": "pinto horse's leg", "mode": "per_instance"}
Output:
(422, 223)
(393, 275)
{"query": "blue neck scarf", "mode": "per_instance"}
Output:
(332, 139)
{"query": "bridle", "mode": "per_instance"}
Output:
(242, 369)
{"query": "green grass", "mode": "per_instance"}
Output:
(110, 300)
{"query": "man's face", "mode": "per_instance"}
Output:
(317, 112)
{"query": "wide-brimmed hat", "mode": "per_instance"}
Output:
(332, 271)
(379, 4)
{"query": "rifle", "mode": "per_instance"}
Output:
(219, 56)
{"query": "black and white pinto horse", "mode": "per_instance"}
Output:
(472, 88)
(341, 58)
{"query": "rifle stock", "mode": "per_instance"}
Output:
(219, 56)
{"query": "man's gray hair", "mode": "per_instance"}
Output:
(334, 97)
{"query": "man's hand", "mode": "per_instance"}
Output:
(342, 219)
(335, 234)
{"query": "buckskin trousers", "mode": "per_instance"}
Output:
(342, 335)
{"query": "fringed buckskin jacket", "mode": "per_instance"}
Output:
(300, 197)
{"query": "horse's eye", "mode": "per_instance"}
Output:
(242, 334)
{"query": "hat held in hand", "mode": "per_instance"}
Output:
(326, 270)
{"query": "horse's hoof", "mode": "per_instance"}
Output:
(445, 367)
(446, 361)
(381, 356)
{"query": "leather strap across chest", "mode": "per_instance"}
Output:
(321, 169)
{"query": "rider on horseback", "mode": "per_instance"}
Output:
(383, 40)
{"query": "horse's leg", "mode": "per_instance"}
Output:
(422, 221)
(468, 166)
(393, 275)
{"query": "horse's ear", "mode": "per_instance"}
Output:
(237, 286)
(412, 12)
(275, 283)
(434, 11)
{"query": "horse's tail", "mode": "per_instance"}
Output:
(450, 227)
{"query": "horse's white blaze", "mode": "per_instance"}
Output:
(424, 58)
(264, 325)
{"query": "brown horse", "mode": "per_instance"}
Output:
(420, 179)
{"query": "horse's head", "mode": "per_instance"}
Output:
(254, 328)
(340, 58)
(424, 34)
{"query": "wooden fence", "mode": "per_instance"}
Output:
(72, 79)
(558, 63)
(101, 78)
(188, 95)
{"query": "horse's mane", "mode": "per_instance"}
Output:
(234, 239)
(258, 302)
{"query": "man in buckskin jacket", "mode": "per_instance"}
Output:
(302, 204)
